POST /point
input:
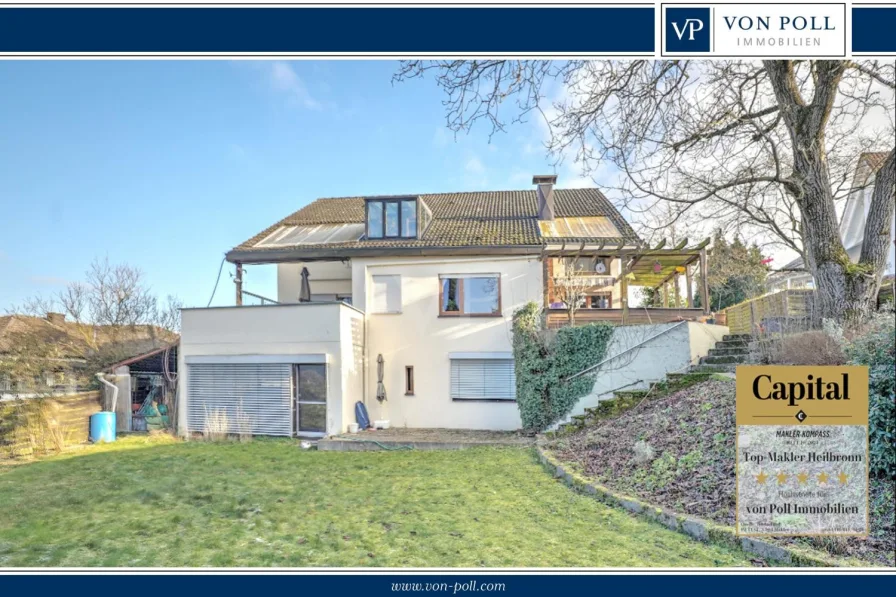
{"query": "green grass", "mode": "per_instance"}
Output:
(159, 502)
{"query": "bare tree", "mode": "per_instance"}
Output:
(765, 148)
(118, 295)
(74, 300)
(168, 314)
(112, 294)
(571, 286)
(37, 306)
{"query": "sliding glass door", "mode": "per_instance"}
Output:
(311, 400)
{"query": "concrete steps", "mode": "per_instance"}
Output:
(725, 356)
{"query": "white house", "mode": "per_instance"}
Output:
(410, 296)
(852, 227)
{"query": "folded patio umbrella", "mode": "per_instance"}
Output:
(305, 287)
(380, 388)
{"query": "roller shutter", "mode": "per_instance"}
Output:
(482, 379)
(236, 396)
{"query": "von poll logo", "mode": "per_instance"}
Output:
(687, 29)
(736, 30)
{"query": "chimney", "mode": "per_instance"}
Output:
(56, 318)
(545, 193)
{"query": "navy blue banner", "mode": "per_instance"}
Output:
(375, 585)
(236, 30)
(874, 29)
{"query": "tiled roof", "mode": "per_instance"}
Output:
(492, 218)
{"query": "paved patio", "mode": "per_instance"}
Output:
(421, 439)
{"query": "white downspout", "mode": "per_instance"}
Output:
(103, 380)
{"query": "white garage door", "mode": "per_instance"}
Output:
(235, 397)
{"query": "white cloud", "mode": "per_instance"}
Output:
(442, 137)
(48, 280)
(284, 79)
(474, 166)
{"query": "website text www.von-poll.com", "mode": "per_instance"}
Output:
(470, 586)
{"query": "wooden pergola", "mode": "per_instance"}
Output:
(658, 267)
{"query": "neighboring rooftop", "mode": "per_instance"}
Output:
(875, 159)
(73, 340)
(488, 219)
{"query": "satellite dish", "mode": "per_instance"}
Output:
(600, 267)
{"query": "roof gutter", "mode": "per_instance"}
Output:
(304, 255)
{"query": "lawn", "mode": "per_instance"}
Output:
(160, 502)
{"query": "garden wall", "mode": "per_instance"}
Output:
(641, 354)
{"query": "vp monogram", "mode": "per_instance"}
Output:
(691, 26)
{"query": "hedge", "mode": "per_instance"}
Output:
(544, 394)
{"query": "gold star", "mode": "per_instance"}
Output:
(823, 478)
(761, 477)
(802, 478)
(843, 478)
(782, 478)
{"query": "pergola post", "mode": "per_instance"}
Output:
(677, 290)
(689, 291)
(623, 289)
(704, 282)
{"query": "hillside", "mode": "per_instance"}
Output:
(677, 451)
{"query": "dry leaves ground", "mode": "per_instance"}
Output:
(684, 460)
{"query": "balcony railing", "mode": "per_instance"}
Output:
(250, 298)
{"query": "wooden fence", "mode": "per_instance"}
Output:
(781, 311)
(34, 426)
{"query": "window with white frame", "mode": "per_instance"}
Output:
(474, 378)
(386, 294)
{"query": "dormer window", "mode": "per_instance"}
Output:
(391, 218)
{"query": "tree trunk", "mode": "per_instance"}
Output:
(845, 292)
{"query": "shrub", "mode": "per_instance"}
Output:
(806, 348)
(875, 346)
(543, 391)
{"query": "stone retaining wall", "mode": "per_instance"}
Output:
(699, 529)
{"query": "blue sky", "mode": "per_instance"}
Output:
(166, 165)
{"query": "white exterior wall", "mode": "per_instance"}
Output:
(302, 329)
(326, 277)
(852, 225)
(664, 348)
(420, 338)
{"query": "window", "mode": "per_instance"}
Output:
(601, 301)
(374, 219)
(409, 219)
(408, 380)
(387, 294)
(482, 379)
(392, 218)
(478, 295)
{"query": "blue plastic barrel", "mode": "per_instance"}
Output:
(102, 427)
